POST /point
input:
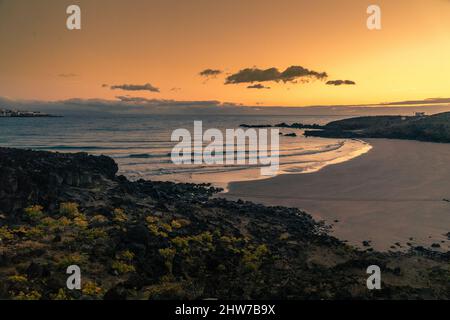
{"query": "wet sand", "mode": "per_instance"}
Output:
(391, 194)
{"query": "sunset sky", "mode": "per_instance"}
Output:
(167, 43)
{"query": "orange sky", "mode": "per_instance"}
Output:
(168, 42)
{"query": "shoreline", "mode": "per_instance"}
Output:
(348, 149)
(391, 198)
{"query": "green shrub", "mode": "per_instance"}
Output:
(73, 259)
(93, 234)
(176, 224)
(181, 243)
(6, 234)
(64, 222)
(34, 213)
(151, 219)
(48, 222)
(18, 278)
(154, 230)
(166, 290)
(168, 254)
(122, 267)
(126, 255)
(98, 219)
(80, 221)
(69, 209)
(90, 288)
(35, 233)
(32, 295)
(119, 215)
(60, 295)
(167, 227)
(252, 259)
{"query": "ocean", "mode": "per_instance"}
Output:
(141, 144)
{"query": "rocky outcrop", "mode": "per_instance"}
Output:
(434, 128)
(29, 177)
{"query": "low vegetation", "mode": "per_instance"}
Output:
(161, 240)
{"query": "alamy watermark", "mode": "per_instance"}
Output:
(73, 21)
(374, 280)
(74, 280)
(374, 19)
(235, 147)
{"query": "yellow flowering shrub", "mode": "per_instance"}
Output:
(80, 221)
(69, 209)
(122, 267)
(90, 288)
(18, 278)
(60, 295)
(6, 234)
(119, 215)
(168, 254)
(126, 255)
(32, 295)
(34, 212)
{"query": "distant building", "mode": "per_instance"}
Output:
(21, 114)
(5, 113)
(420, 114)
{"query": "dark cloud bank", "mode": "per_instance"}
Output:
(125, 104)
(257, 86)
(291, 74)
(135, 87)
(210, 73)
(341, 82)
(67, 75)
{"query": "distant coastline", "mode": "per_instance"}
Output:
(7, 113)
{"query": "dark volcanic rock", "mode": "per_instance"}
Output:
(138, 234)
(433, 128)
(162, 240)
(366, 243)
(31, 177)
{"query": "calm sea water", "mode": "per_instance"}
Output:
(141, 145)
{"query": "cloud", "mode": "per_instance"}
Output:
(175, 89)
(210, 73)
(138, 105)
(291, 74)
(67, 75)
(135, 87)
(414, 102)
(340, 82)
(258, 86)
(145, 102)
(133, 99)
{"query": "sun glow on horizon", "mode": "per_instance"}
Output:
(166, 44)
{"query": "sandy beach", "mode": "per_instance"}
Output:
(393, 195)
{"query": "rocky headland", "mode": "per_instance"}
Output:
(433, 128)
